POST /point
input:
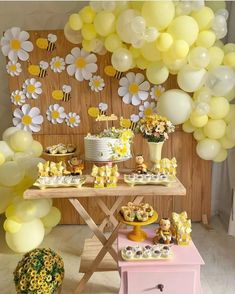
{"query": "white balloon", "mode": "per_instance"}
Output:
(123, 25)
(138, 24)
(6, 150)
(223, 12)
(208, 149)
(8, 132)
(151, 34)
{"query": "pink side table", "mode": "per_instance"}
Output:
(180, 275)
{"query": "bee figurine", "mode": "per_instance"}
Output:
(47, 43)
(39, 70)
(112, 72)
(63, 94)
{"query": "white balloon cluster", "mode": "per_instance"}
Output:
(171, 37)
(27, 221)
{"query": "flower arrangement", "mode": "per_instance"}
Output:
(41, 271)
(155, 128)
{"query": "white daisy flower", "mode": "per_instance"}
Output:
(134, 118)
(18, 97)
(81, 64)
(13, 68)
(32, 88)
(156, 92)
(15, 45)
(103, 106)
(133, 88)
(55, 114)
(72, 119)
(57, 64)
(148, 108)
(96, 83)
(27, 118)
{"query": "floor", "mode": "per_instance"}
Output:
(216, 248)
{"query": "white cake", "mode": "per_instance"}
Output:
(104, 148)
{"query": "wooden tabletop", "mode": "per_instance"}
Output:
(122, 189)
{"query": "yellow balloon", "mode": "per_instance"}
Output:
(137, 5)
(112, 42)
(229, 47)
(88, 31)
(216, 56)
(226, 142)
(174, 65)
(199, 57)
(208, 149)
(219, 43)
(74, 37)
(157, 73)
(2, 158)
(219, 107)
(142, 63)
(158, 14)
(215, 128)
(198, 134)
(184, 28)
(20, 141)
(135, 52)
(52, 218)
(36, 149)
(164, 42)
(10, 174)
(8, 132)
(231, 114)
(230, 131)
(122, 59)
(188, 127)
(6, 196)
(179, 49)
(203, 17)
(206, 39)
(104, 23)
(75, 22)
(198, 120)
(221, 156)
(87, 14)
(230, 95)
(11, 226)
(86, 45)
(29, 236)
(229, 59)
(6, 150)
(150, 52)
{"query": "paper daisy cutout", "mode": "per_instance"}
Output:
(55, 114)
(27, 118)
(72, 120)
(156, 92)
(13, 68)
(57, 64)
(146, 109)
(133, 88)
(18, 97)
(81, 64)
(96, 83)
(15, 44)
(32, 88)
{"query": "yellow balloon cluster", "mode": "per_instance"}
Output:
(19, 157)
(171, 37)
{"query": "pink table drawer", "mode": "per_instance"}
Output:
(173, 282)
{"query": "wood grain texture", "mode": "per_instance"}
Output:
(194, 173)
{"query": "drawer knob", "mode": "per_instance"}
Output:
(160, 287)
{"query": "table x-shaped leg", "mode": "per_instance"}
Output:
(107, 243)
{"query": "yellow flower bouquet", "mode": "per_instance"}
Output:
(155, 128)
(40, 271)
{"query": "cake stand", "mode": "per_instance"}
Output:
(60, 157)
(107, 162)
(137, 234)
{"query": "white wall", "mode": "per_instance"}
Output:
(32, 15)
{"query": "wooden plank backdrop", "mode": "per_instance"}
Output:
(193, 172)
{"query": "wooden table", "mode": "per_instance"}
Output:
(91, 260)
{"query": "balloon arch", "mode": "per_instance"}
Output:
(171, 37)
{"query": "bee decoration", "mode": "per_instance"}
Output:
(63, 94)
(39, 70)
(112, 72)
(48, 43)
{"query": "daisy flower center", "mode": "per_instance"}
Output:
(30, 88)
(80, 62)
(158, 92)
(96, 83)
(148, 111)
(17, 97)
(15, 44)
(55, 114)
(133, 88)
(26, 120)
(13, 67)
(57, 64)
(72, 120)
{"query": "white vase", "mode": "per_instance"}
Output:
(155, 154)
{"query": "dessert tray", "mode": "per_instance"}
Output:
(60, 181)
(149, 179)
(147, 252)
